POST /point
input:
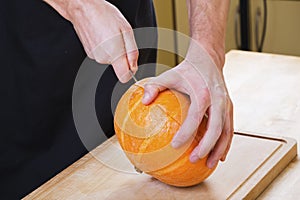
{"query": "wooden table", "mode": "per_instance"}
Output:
(265, 90)
(267, 87)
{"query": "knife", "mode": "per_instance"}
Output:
(133, 76)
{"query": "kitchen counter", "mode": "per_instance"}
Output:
(265, 90)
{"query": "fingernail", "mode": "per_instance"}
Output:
(146, 98)
(175, 144)
(194, 158)
(212, 164)
(133, 66)
(200, 154)
(223, 158)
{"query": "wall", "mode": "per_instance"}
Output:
(283, 25)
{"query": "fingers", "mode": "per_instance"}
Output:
(194, 155)
(217, 139)
(128, 60)
(230, 133)
(190, 125)
(229, 130)
(121, 51)
(131, 49)
(222, 147)
(159, 84)
(214, 128)
(121, 68)
(107, 37)
(150, 92)
(126, 57)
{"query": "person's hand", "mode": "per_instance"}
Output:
(105, 34)
(200, 78)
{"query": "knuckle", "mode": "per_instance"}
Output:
(205, 92)
(229, 131)
(194, 116)
(148, 86)
(221, 93)
(102, 60)
(127, 27)
(217, 129)
(205, 95)
(134, 53)
(151, 89)
(219, 151)
(202, 97)
(182, 137)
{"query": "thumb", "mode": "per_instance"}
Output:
(158, 84)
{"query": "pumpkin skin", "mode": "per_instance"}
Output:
(145, 134)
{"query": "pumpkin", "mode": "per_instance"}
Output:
(146, 131)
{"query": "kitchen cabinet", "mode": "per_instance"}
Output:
(282, 32)
(165, 19)
(230, 41)
(283, 26)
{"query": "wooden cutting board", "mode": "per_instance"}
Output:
(253, 162)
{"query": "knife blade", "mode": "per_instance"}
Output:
(133, 76)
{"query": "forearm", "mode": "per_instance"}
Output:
(69, 8)
(61, 6)
(207, 19)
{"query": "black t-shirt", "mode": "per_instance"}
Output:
(40, 55)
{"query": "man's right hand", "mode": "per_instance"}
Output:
(104, 32)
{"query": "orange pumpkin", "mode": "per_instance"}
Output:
(145, 134)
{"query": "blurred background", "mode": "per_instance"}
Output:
(271, 26)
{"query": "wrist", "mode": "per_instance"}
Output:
(215, 49)
(216, 52)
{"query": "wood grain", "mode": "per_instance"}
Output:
(265, 89)
(106, 174)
